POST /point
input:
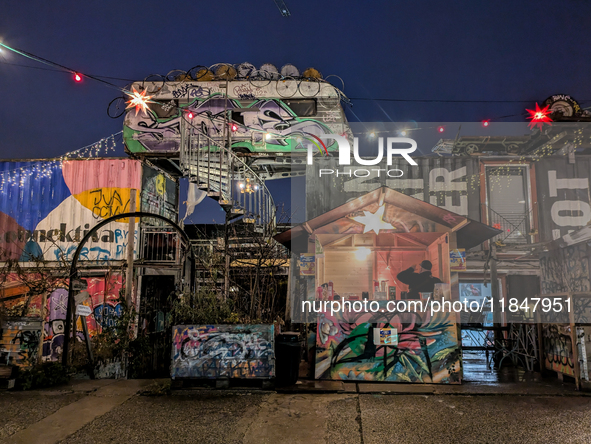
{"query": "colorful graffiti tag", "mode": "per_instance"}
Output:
(104, 302)
(558, 349)
(19, 343)
(427, 349)
(223, 351)
(256, 111)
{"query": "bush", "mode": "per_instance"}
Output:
(47, 374)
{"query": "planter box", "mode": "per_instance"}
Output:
(223, 351)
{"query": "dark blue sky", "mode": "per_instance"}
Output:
(431, 50)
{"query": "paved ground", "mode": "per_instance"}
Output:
(116, 413)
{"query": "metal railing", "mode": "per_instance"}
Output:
(227, 178)
(160, 245)
(515, 226)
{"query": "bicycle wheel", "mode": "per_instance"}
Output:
(259, 79)
(196, 69)
(153, 83)
(116, 107)
(176, 75)
(329, 96)
(287, 86)
(271, 70)
(225, 72)
(309, 87)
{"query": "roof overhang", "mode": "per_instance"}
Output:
(405, 213)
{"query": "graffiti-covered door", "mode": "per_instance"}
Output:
(154, 326)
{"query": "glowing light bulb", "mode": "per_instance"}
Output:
(361, 253)
(485, 123)
(441, 129)
(77, 77)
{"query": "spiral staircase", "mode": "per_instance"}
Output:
(227, 178)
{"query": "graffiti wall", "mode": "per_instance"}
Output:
(558, 348)
(103, 300)
(565, 270)
(20, 341)
(256, 109)
(159, 194)
(427, 349)
(223, 351)
(47, 207)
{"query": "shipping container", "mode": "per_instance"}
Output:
(448, 182)
(47, 206)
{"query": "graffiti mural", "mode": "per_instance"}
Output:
(20, 341)
(565, 269)
(104, 302)
(223, 351)
(48, 214)
(558, 348)
(427, 349)
(256, 110)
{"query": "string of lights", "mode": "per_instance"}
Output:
(45, 169)
(78, 75)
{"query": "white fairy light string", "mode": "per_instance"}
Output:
(44, 169)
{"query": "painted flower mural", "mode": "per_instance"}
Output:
(427, 349)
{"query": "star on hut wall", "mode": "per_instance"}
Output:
(373, 221)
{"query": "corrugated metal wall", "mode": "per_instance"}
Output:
(563, 195)
(46, 207)
(563, 198)
(448, 182)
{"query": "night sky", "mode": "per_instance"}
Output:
(515, 52)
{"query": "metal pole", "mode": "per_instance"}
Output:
(74, 270)
(494, 290)
(130, 248)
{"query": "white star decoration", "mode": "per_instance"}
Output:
(373, 221)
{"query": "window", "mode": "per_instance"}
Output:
(508, 203)
(302, 107)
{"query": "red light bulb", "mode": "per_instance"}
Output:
(77, 77)
(190, 115)
(441, 129)
(485, 123)
(234, 127)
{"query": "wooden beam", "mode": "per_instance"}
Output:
(462, 224)
(342, 239)
(412, 241)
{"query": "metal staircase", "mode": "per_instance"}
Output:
(225, 177)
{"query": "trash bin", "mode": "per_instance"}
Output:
(288, 353)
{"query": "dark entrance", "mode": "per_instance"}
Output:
(154, 332)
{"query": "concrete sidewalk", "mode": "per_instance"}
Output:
(537, 388)
(107, 411)
(97, 398)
